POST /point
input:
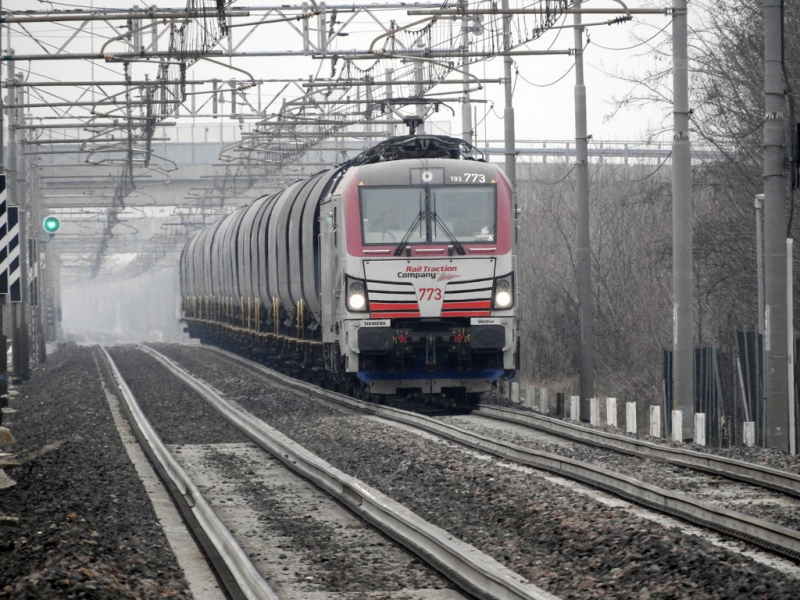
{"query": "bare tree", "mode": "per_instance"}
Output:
(631, 237)
(630, 232)
(727, 101)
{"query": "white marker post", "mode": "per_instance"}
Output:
(655, 420)
(611, 412)
(630, 417)
(543, 400)
(749, 433)
(574, 408)
(700, 429)
(677, 426)
(594, 411)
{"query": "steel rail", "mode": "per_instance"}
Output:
(775, 479)
(775, 538)
(248, 581)
(473, 571)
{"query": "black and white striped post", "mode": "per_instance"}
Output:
(14, 258)
(3, 240)
(3, 292)
(15, 187)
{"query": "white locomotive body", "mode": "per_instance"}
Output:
(391, 275)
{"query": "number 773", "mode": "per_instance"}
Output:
(430, 294)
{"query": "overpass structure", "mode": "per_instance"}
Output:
(109, 271)
(191, 181)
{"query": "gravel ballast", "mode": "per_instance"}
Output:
(564, 542)
(335, 557)
(75, 482)
(86, 528)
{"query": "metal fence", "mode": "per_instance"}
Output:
(728, 388)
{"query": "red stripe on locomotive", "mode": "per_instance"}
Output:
(378, 306)
(465, 304)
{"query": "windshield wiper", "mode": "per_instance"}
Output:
(404, 242)
(456, 244)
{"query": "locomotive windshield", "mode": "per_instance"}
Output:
(433, 215)
(468, 212)
(387, 214)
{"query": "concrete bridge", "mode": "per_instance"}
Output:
(110, 269)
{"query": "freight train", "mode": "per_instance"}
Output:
(392, 275)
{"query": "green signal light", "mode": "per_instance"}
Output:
(51, 224)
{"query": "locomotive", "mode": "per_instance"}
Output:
(391, 275)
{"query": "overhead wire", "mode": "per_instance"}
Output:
(651, 174)
(567, 174)
(640, 44)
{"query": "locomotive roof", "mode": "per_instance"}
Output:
(416, 146)
(402, 160)
(410, 171)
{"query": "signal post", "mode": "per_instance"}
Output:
(46, 319)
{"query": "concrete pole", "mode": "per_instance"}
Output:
(420, 77)
(683, 290)
(466, 105)
(40, 257)
(584, 273)
(2, 150)
(390, 129)
(758, 407)
(3, 339)
(23, 322)
(13, 200)
(508, 113)
(776, 418)
(368, 113)
(790, 345)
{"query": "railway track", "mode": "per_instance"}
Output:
(774, 529)
(751, 502)
(235, 572)
(466, 568)
(767, 477)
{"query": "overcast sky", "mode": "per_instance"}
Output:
(543, 85)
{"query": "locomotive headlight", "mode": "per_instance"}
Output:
(503, 292)
(356, 295)
(503, 299)
(357, 301)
